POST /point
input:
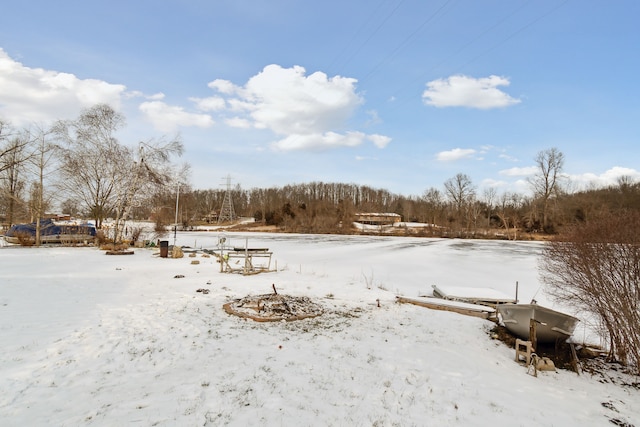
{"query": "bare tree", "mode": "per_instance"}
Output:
(92, 159)
(71, 207)
(142, 173)
(434, 201)
(507, 210)
(628, 189)
(9, 144)
(595, 268)
(461, 191)
(489, 196)
(258, 199)
(14, 153)
(546, 182)
(41, 160)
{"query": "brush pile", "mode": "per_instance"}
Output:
(273, 308)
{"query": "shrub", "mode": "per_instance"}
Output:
(595, 267)
(136, 232)
(101, 238)
(160, 226)
(25, 239)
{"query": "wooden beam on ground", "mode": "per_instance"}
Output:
(438, 304)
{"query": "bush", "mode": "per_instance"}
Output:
(136, 232)
(25, 239)
(101, 238)
(159, 226)
(595, 267)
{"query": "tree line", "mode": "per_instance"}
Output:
(455, 209)
(79, 167)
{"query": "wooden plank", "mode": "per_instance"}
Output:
(574, 358)
(436, 306)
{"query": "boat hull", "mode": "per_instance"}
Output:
(53, 238)
(551, 325)
(51, 232)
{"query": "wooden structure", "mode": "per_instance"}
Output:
(245, 260)
(523, 349)
(377, 218)
(484, 312)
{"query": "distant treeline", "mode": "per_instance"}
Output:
(320, 207)
(80, 167)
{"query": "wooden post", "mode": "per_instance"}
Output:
(523, 348)
(532, 334)
(574, 358)
(246, 255)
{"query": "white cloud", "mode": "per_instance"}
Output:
(212, 103)
(317, 141)
(156, 96)
(526, 171)
(238, 122)
(507, 157)
(309, 111)
(575, 182)
(605, 179)
(222, 86)
(138, 94)
(379, 141)
(374, 119)
(493, 183)
(133, 94)
(521, 186)
(39, 95)
(288, 102)
(455, 154)
(464, 91)
(364, 158)
(168, 118)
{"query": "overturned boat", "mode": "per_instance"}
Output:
(550, 325)
(51, 232)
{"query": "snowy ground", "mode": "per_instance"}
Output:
(91, 339)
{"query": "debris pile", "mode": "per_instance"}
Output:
(273, 308)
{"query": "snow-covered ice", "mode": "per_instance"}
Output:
(91, 339)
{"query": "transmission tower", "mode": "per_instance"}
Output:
(226, 212)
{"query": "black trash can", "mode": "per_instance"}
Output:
(164, 248)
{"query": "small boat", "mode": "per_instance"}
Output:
(51, 232)
(550, 324)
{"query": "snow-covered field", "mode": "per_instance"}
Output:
(91, 339)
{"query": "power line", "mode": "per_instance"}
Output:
(375, 31)
(484, 33)
(355, 36)
(515, 33)
(407, 39)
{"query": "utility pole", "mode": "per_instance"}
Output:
(175, 224)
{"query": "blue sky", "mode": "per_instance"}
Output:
(393, 94)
